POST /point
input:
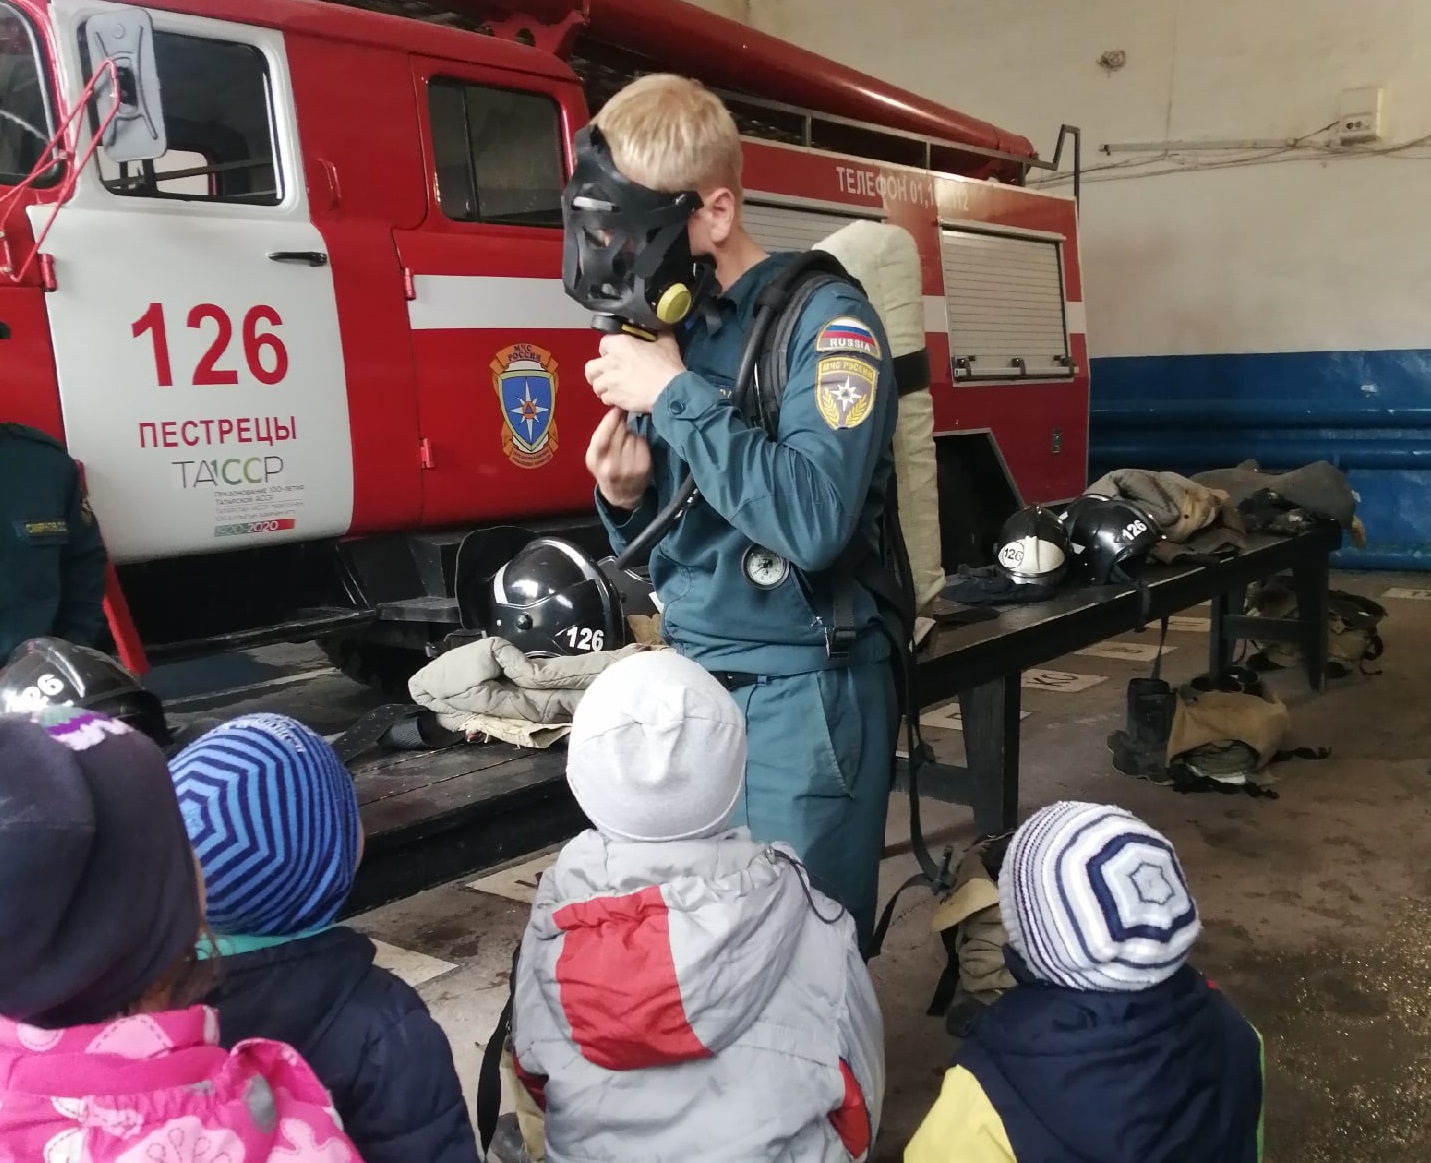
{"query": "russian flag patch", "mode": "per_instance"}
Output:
(848, 336)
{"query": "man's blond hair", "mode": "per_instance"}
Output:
(671, 133)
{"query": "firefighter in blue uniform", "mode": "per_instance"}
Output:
(742, 576)
(52, 560)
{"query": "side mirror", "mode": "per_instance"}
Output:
(126, 37)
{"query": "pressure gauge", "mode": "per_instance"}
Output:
(764, 569)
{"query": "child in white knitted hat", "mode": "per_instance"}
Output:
(1110, 1046)
(681, 991)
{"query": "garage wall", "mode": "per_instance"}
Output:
(1268, 302)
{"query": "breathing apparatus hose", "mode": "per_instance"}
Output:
(642, 544)
(686, 494)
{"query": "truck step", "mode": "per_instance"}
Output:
(305, 624)
(440, 611)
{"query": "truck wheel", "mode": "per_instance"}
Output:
(384, 668)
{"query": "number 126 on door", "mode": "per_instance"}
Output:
(264, 352)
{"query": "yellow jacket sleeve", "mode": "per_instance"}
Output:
(961, 1127)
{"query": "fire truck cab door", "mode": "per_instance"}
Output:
(500, 348)
(193, 314)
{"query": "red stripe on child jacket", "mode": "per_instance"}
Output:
(851, 1119)
(536, 1084)
(617, 978)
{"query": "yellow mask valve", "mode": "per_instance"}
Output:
(674, 305)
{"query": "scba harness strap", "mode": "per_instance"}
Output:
(488, 1106)
(882, 569)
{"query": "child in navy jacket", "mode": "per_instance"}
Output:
(273, 818)
(1110, 1047)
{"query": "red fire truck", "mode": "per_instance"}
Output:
(294, 299)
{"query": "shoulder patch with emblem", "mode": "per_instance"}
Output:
(845, 390)
(86, 513)
(849, 336)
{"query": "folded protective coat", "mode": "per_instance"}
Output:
(1209, 717)
(1319, 487)
(1180, 506)
(1223, 539)
(474, 687)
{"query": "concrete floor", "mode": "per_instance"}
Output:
(1316, 906)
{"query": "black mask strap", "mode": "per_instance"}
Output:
(627, 248)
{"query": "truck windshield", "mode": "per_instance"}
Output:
(25, 127)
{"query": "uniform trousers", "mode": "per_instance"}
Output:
(817, 775)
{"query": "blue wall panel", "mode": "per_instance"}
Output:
(1369, 413)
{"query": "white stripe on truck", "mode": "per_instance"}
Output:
(468, 302)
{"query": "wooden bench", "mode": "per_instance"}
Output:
(432, 816)
(982, 664)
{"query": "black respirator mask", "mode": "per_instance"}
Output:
(627, 254)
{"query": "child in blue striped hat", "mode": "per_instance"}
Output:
(272, 816)
(1110, 1046)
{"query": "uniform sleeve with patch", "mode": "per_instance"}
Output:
(800, 496)
(80, 616)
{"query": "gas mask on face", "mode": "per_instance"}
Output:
(627, 254)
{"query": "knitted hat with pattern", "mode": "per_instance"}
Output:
(1093, 898)
(273, 817)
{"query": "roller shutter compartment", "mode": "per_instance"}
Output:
(1004, 295)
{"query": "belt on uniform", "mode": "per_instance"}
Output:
(734, 679)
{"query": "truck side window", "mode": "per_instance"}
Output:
(218, 115)
(498, 154)
(25, 125)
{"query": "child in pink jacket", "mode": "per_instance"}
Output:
(102, 1056)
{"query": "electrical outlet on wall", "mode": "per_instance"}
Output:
(1361, 116)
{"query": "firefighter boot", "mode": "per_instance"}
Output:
(1141, 749)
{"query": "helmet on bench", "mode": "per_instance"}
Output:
(553, 599)
(1110, 538)
(1033, 547)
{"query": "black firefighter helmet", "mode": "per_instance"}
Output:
(50, 672)
(1033, 547)
(1110, 538)
(554, 599)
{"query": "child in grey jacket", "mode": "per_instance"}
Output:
(681, 991)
